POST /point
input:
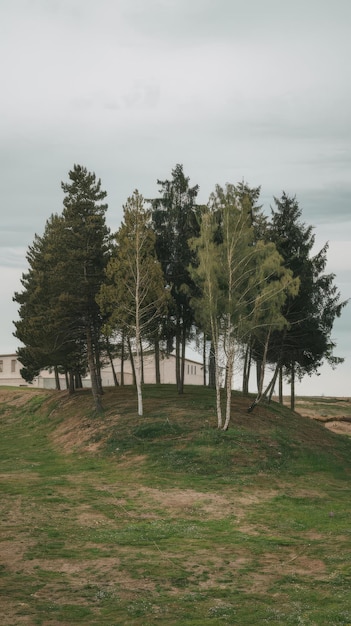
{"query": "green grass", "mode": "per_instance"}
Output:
(165, 520)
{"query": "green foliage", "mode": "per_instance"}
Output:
(310, 313)
(135, 296)
(175, 220)
(177, 270)
(86, 246)
(59, 319)
(241, 282)
(134, 293)
(44, 325)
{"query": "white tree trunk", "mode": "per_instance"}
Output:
(229, 350)
(138, 385)
(137, 330)
(229, 377)
(214, 329)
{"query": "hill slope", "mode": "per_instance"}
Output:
(163, 519)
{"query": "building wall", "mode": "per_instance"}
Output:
(193, 374)
(10, 373)
(10, 370)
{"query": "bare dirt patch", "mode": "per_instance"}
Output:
(92, 518)
(19, 397)
(189, 502)
(12, 552)
(272, 567)
(77, 432)
(334, 413)
(340, 427)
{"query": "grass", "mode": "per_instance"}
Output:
(327, 408)
(163, 519)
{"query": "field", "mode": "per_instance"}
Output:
(164, 520)
(334, 413)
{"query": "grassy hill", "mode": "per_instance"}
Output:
(164, 520)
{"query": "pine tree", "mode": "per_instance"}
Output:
(44, 326)
(60, 322)
(176, 219)
(302, 347)
(86, 245)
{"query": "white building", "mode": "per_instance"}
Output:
(10, 373)
(10, 370)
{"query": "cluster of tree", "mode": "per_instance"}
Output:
(175, 270)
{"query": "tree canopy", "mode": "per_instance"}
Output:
(252, 284)
(134, 295)
(60, 321)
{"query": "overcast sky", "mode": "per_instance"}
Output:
(252, 89)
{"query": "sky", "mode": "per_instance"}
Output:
(254, 90)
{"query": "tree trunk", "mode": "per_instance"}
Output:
(98, 377)
(97, 361)
(229, 376)
(261, 368)
(92, 369)
(246, 371)
(122, 361)
(57, 379)
(139, 373)
(131, 360)
(182, 361)
(292, 393)
(270, 387)
(78, 380)
(212, 367)
(138, 376)
(141, 354)
(217, 383)
(280, 384)
(204, 360)
(114, 375)
(157, 361)
(258, 373)
(281, 397)
(230, 351)
(177, 364)
(71, 382)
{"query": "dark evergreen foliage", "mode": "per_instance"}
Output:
(176, 219)
(60, 321)
(306, 343)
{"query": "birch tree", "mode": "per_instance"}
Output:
(274, 284)
(208, 307)
(241, 280)
(237, 264)
(134, 293)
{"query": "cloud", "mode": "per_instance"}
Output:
(10, 282)
(11, 257)
(328, 205)
(179, 20)
(129, 88)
